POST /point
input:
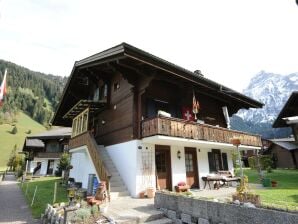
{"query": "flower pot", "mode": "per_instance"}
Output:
(150, 192)
(273, 183)
(142, 194)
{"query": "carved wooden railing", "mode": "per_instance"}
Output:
(175, 127)
(86, 139)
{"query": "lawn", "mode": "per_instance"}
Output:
(285, 195)
(8, 140)
(44, 195)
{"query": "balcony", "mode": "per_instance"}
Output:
(52, 155)
(175, 127)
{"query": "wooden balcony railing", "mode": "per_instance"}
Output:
(86, 139)
(185, 129)
(51, 155)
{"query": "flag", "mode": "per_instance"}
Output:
(195, 105)
(3, 88)
(187, 114)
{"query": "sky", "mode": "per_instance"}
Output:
(230, 41)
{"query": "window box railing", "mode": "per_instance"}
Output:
(80, 123)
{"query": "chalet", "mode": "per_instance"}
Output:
(285, 151)
(288, 116)
(45, 150)
(133, 122)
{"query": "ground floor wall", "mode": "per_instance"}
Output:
(135, 162)
(82, 166)
(44, 165)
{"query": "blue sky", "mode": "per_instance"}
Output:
(229, 41)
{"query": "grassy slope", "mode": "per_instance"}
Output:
(285, 194)
(44, 193)
(8, 140)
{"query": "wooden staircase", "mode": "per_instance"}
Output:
(117, 187)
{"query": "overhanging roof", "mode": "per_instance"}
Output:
(138, 56)
(33, 143)
(82, 105)
(290, 109)
(56, 133)
(288, 145)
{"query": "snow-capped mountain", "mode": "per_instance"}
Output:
(273, 90)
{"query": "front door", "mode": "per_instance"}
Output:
(50, 167)
(163, 167)
(191, 167)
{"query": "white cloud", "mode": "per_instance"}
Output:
(229, 41)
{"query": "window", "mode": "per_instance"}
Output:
(101, 91)
(189, 162)
(160, 161)
(217, 161)
(116, 86)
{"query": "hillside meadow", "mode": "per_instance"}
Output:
(8, 140)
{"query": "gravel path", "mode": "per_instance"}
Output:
(13, 207)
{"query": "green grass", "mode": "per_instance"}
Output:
(44, 195)
(8, 140)
(282, 196)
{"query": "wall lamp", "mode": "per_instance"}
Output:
(179, 154)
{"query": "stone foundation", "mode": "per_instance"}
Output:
(188, 210)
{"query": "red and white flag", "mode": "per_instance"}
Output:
(3, 88)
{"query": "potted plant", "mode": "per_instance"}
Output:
(274, 183)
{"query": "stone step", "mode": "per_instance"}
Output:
(118, 195)
(118, 188)
(116, 183)
(161, 221)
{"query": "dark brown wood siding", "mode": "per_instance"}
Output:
(177, 97)
(115, 125)
(284, 157)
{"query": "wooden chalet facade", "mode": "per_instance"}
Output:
(138, 107)
(45, 149)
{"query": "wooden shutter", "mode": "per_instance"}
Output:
(211, 162)
(225, 161)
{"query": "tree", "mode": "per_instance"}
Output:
(64, 165)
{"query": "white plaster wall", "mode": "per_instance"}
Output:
(125, 158)
(178, 165)
(82, 166)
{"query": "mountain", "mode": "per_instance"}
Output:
(35, 93)
(273, 90)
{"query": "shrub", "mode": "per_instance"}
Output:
(252, 162)
(265, 162)
(83, 214)
(28, 132)
(14, 130)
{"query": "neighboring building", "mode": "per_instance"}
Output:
(45, 150)
(133, 124)
(284, 152)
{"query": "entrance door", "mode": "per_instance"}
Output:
(163, 167)
(50, 167)
(191, 167)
